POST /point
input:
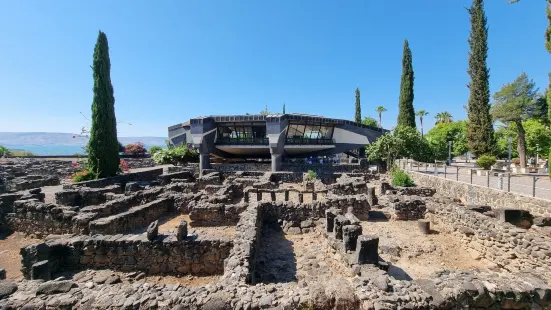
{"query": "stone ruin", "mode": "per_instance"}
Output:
(180, 239)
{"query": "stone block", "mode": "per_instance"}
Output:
(542, 221)
(2, 274)
(371, 197)
(367, 250)
(340, 222)
(519, 218)
(330, 215)
(424, 226)
(350, 235)
(153, 230)
(182, 231)
(41, 271)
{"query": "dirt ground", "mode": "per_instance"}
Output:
(10, 259)
(291, 258)
(414, 255)
(170, 225)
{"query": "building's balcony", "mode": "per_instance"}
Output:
(242, 141)
(308, 141)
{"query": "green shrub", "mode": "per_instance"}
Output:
(311, 175)
(486, 161)
(4, 151)
(401, 178)
(154, 149)
(177, 156)
(83, 175)
(516, 161)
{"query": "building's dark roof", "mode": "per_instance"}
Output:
(277, 118)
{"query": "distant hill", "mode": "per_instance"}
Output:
(65, 139)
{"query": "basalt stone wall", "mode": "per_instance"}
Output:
(510, 247)
(286, 177)
(241, 262)
(145, 162)
(209, 214)
(234, 167)
(322, 169)
(167, 178)
(86, 196)
(407, 210)
(479, 195)
(135, 218)
(416, 191)
(149, 175)
(348, 187)
(165, 255)
(34, 217)
(34, 182)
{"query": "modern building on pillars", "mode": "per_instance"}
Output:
(271, 136)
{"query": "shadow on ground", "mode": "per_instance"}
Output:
(276, 262)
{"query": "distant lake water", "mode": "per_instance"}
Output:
(53, 149)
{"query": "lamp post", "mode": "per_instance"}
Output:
(537, 153)
(509, 140)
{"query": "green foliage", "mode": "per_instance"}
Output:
(121, 147)
(440, 134)
(4, 151)
(443, 117)
(380, 109)
(154, 149)
(515, 101)
(83, 175)
(358, 109)
(486, 161)
(311, 175)
(401, 178)
(103, 146)
(515, 161)
(406, 113)
(178, 155)
(549, 161)
(537, 136)
(284, 108)
(370, 121)
(402, 142)
(480, 132)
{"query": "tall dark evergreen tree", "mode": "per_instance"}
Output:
(480, 132)
(103, 147)
(358, 118)
(358, 115)
(406, 113)
(284, 108)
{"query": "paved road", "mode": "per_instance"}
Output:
(522, 184)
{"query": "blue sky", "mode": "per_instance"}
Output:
(172, 60)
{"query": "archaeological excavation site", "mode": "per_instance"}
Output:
(239, 236)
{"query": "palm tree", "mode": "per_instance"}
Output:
(380, 109)
(443, 117)
(421, 114)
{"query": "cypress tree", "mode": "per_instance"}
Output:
(548, 47)
(480, 132)
(284, 108)
(103, 147)
(406, 113)
(358, 116)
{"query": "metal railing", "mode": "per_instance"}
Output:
(308, 141)
(242, 141)
(529, 185)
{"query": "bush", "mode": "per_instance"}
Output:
(486, 161)
(178, 155)
(4, 151)
(137, 148)
(154, 149)
(83, 175)
(516, 161)
(121, 147)
(123, 166)
(311, 175)
(401, 178)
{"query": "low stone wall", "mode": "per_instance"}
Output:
(286, 177)
(416, 191)
(241, 262)
(148, 175)
(34, 182)
(165, 255)
(145, 162)
(234, 167)
(208, 214)
(408, 210)
(509, 247)
(327, 168)
(86, 196)
(135, 218)
(474, 194)
(167, 178)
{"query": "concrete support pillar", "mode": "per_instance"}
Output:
(204, 161)
(276, 162)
